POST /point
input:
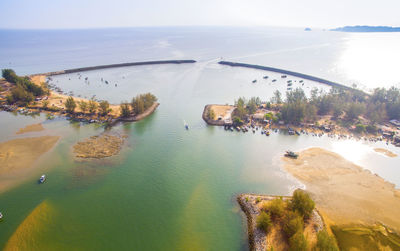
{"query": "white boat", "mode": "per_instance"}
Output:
(42, 178)
(1, 216)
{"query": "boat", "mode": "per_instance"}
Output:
(265, 77)
(42, 179)
(291, 154)
(283, 76)
(255, 80)
(1, 216)
(274, 80)
(187, 127)
(267, 133)
(297, 132)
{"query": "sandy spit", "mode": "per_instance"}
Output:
(345, 192)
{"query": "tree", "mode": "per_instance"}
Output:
(354, 110)
(264, 221)
(277, 98)
(45, 104)
(70, 104)
(125, 110)
(253, 104)
(360, 128)
(237, 121)
(275, 207)
(298, 242)
(325, 242)
(83, 105)
(92, 106)
(302, 203)
(9, 75)
(104, 108)
(292, 223)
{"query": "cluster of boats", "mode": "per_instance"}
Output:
(247, 128)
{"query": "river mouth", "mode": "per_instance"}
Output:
(171, 188)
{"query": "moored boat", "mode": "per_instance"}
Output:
(42, 178)
(291, 154)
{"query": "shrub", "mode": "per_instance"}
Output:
(298, 242)
(70, 105)
(292, 223)
(269, 116)
(92, 106)
(237, 121)
(371, 129)
(83, 105)
(302, 203)
(264, 221)
(325, 242)
(275, 207)
(9, 75)
(125, 110)
(45, 104)
(104, 107)
(360, 128)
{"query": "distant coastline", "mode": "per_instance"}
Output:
(366, 28)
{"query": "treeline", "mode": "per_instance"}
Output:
(138, 105)
(24, 90)
(91, 106)
(348, 105)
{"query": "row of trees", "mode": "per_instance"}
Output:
(91, 106)
(138, 105)
(291, 215)
(24, 90)
(381, 105)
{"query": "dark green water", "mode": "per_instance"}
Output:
(169, 189)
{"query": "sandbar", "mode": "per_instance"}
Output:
(102, 146)
(31, 128)
(385, 152)
(344, 192)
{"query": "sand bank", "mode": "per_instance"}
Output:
(98, 147)
(27, 235)
(344, 192)
(18, 155)
(31, 128)
(385, 152)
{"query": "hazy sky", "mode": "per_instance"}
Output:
(43, 14)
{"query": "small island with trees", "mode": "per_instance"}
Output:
(342, 113)
(30, 94)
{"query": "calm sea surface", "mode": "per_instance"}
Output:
(172, 189)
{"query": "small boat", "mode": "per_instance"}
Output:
(297, 132)
(267, 133)
(265, 77)
(1, 216)
(187, 127)
(42, 179)
(291, 154)
(283, 76)
(273, 80)
(255, 80)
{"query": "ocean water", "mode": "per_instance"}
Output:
(169, 189)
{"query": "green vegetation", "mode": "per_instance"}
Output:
(298, 242)
(302, 203)
(264, 221)
(45, 104)
(83, 105)
(325, 242)
(24, 91)
(358, 237)
(125, 110)
(275, 207)
(243, 107)
(104, 108)
(70, 104)
(292, 223)
(142, 102)
(92, 106)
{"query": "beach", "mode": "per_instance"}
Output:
(344, 192)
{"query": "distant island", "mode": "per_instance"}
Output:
(365, 28)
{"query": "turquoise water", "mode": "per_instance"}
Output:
(169, 189)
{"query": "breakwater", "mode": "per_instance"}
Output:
(99, 67)
(286, 72)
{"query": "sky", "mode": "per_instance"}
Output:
(67, 14)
